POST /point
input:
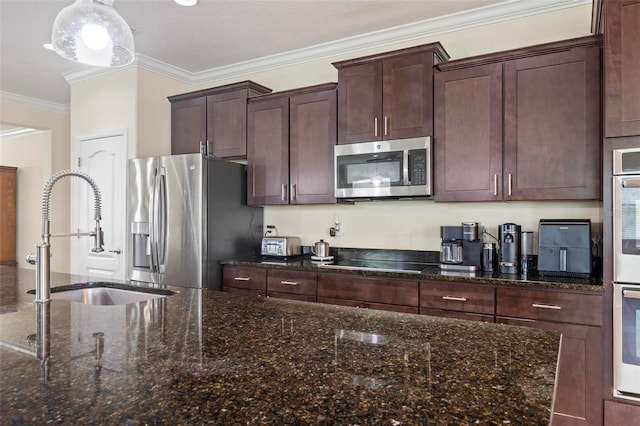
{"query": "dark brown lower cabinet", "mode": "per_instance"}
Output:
(294, 285)
(244, 280)
(578, 317)
(457, 300)
(369, 292)
(618, 414)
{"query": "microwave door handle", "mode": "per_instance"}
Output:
(406, 172)
(631, 183)
(632, 294)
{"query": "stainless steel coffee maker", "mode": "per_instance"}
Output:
(460, 249)
(509, 257)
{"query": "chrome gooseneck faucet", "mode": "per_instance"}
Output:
(41, 260)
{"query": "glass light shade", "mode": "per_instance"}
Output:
(91, 32)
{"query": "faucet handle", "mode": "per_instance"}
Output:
(31, 258)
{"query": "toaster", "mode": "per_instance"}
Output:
(280, 246)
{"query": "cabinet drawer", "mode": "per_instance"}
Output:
(247, 278)
(376, 290)
(294, 282)
(457, 297)
(550, 306)
(368, 305)
(456, 315)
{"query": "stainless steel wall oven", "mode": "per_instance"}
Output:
(626, 273)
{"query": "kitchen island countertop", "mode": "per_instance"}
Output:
(203, 356)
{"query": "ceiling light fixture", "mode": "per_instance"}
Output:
(91, 32)
(186, 2)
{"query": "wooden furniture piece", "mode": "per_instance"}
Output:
(544, 99)
(618, 413)
(369, 292)
(579, 318)
(8, 190)
(388, 95)
(244, 280)
(296, 285)
(291, 136)
(621, 63)
(216, 117)
(457, 300)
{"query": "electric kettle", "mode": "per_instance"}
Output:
(320, 249)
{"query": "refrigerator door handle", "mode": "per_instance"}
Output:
(154, 222)
(162, 219)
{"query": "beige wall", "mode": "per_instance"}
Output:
(50, 150)
(135, 100)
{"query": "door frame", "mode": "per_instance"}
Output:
(75, 153)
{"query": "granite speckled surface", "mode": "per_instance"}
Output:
(424, 262)
(210, 357)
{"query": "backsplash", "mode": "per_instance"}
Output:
(415, 225)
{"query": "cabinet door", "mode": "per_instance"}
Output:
(453, 296)
(268, 152)
(468, 134)
(301, 283)
(407, 96)
(552, 126)
(578, 395)
(227, 124)
(360, 103)
(374, 290)
(188, 125)
(313, 136)
(618, 413)
(8, 190)
(622, 61)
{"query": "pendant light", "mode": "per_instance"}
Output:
(91, 32)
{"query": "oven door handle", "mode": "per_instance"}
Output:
(632, 294)
(631, 183)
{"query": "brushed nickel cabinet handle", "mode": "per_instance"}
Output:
(283, 192)
(386, 125)
(242, 278)
(293, 191)
(288, 282)
(455, 299)
(375, 126)
(509, 184)
(495, 185)
(543, 306)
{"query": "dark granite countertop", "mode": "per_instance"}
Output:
(423, 271)
(203, 356)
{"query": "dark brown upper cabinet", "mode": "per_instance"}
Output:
(213, 119)
(387, 96)
(520, 125)
(621, 65)
(290, 143)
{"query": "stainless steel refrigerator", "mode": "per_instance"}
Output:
(186, 213)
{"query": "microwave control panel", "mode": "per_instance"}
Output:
(418, 167)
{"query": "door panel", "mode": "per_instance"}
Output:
(360, 96)
(104, 160)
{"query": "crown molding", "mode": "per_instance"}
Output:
(34, 103)
(509, 10)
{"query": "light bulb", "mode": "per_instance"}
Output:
(94, 36)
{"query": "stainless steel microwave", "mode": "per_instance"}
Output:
(385, 169)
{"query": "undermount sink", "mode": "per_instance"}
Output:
(106, 293)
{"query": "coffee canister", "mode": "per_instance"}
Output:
(489, 256)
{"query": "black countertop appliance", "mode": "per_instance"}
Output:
(564, 247)
(509, 258)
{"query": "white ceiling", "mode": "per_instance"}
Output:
(220, 33)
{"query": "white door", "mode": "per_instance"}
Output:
(104, 159)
